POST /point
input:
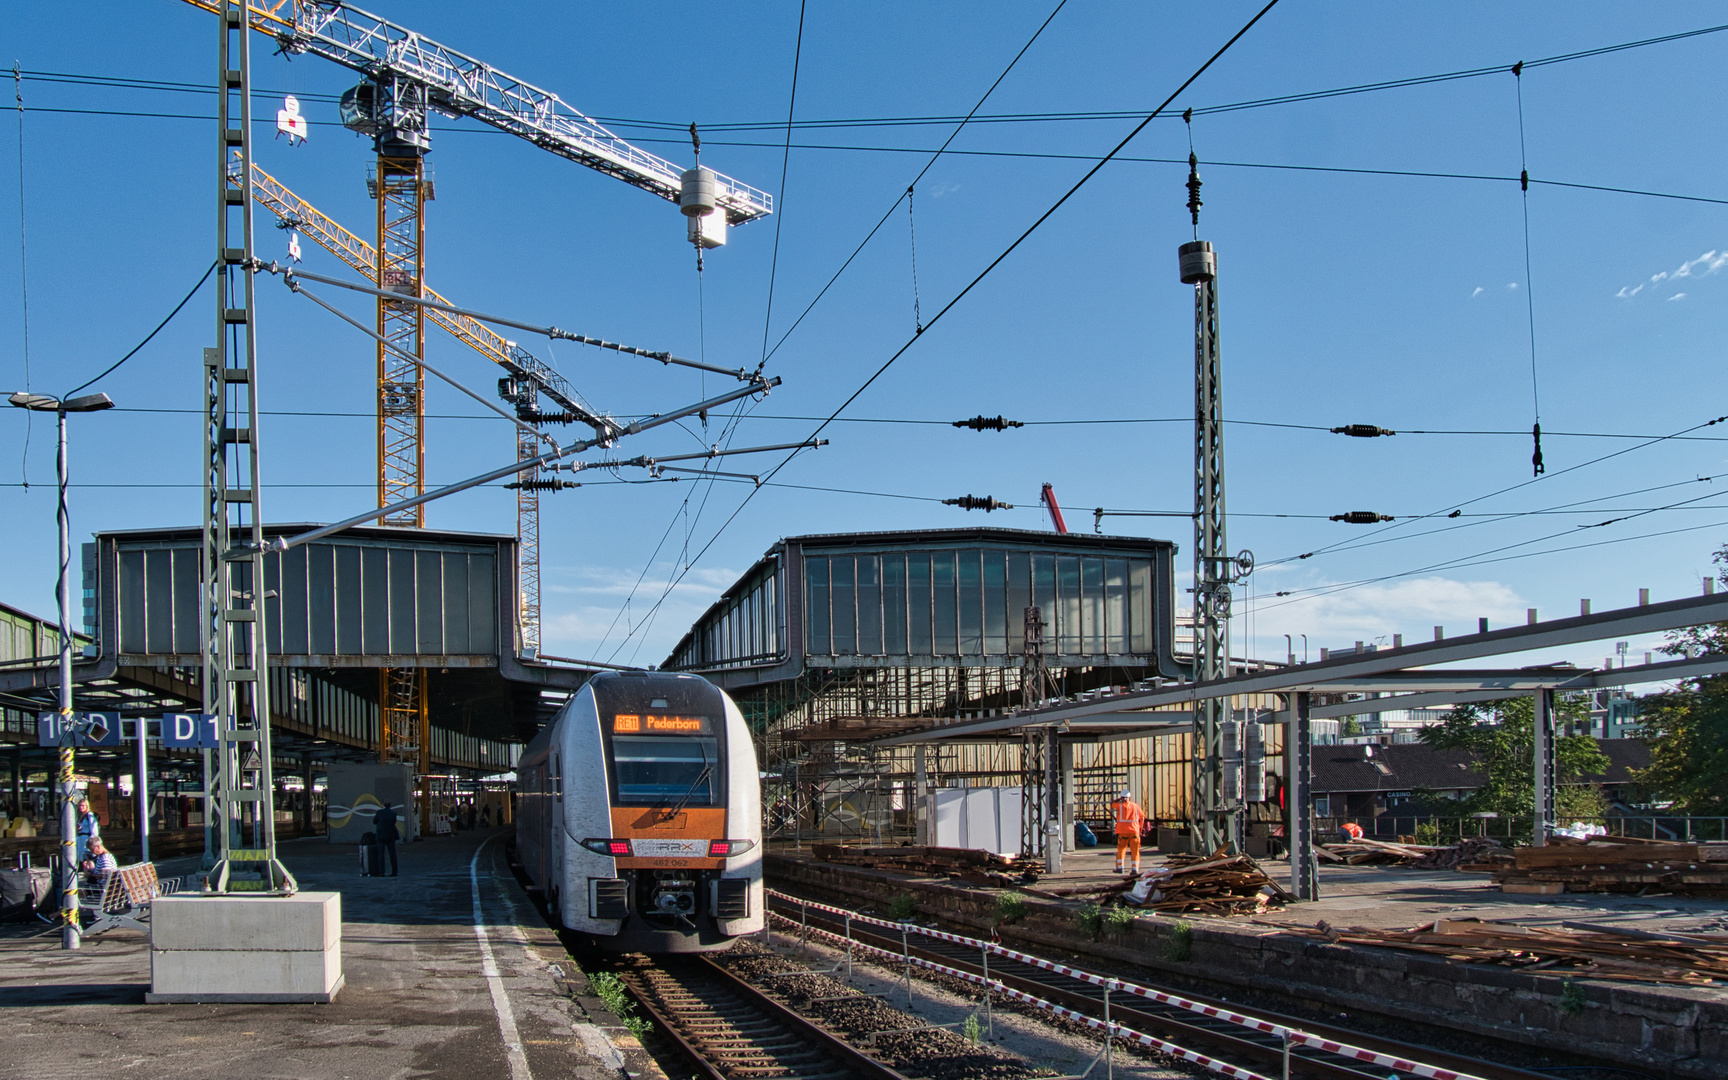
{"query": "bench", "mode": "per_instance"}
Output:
(123, 897)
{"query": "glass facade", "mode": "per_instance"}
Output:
(972, 602)
(746, 629)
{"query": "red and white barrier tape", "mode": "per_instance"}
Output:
(1224, 1068)
(1254, 1023)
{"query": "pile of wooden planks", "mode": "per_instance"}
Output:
(1363, 850)
(976, 867)
(1594, 950)
(1216, 884)
(1617, 864)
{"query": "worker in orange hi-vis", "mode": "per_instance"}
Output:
(1129, 819)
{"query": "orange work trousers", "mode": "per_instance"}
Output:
(1128, 847)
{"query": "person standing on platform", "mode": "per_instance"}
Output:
(1129, 819)
(88, 827)
(384, 831)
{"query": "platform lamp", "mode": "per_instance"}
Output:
(69, 937)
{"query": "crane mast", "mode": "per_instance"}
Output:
(405, 77)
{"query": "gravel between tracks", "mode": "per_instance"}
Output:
(1022, 1033)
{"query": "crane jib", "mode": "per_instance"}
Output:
(460, 85)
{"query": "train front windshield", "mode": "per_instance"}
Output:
(656, 770)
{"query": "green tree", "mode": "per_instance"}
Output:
(1349, 726)
(1686, 729)
(1501, 735)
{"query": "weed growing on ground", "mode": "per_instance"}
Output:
(1010, 908)
(1571, 998)
(1181, 942)
(1089, 919)
(902, 907)
(609, 988)
(1118, 919)
(971, 1028)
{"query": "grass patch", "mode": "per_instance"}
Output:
(610, 989)
(1010, 908)
(1118, 919)
(1571, 998)
(1089, 919)
(902, 907)
(1181, 943)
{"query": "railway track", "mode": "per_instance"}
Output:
(1332, 1054)
(733, 1031)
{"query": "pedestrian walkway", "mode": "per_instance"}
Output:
(450, 973)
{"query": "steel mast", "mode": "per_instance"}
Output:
(236, 669)
(1213, 810)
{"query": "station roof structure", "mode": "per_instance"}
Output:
(336, 613)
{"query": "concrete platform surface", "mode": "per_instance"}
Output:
(450, 973)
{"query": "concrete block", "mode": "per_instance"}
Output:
(304, 922)
(184, 975)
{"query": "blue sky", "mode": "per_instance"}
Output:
(1346, 297)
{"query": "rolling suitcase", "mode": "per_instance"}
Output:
(25, 892)
(371, 860)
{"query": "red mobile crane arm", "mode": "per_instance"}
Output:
(1049, 497)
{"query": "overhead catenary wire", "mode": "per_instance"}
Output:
(23, 270)
(166, 319)
(672, 584)
(1500, 491)
(1536, 464)
(129, 82)
(998, 260)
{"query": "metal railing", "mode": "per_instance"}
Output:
(1429, 829)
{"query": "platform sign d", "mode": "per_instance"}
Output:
(189, 731)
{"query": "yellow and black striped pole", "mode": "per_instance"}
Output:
(69, 929)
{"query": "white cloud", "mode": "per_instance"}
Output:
(1678, 296)
(1708, 263)
(581, 609)
(943, 189)
(1372, 612)
(1512, 285)
(1477, 293)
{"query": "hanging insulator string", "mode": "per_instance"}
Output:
(912, 232)
(1529, 294)
(1194, 202)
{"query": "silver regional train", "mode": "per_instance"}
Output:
(640, 815)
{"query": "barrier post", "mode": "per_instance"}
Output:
(989, 1016)
(848, 948)
(804, 924)
(906, 955)
(1109, 1040)
(1286, 1055)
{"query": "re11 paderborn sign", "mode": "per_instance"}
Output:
(179, 731)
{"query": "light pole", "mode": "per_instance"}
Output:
(69, 938)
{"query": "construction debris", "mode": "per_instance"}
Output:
(1617, 864)
(1362, 850)
(1216, 884)
(975, 867)
(1594, 950)
(1477, 854)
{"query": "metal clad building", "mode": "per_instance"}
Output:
(369, 596)
(938, 598)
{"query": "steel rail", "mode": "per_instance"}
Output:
(806, 1032)
(1311, 1059)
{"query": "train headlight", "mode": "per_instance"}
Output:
(720, 849)
(614, 848)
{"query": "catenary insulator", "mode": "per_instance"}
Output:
(1362, 517)
(989, 423)
(1362, 431)
(985, 503)
(1199, 262)
(696, 189)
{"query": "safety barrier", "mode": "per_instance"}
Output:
(1290, 1036)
